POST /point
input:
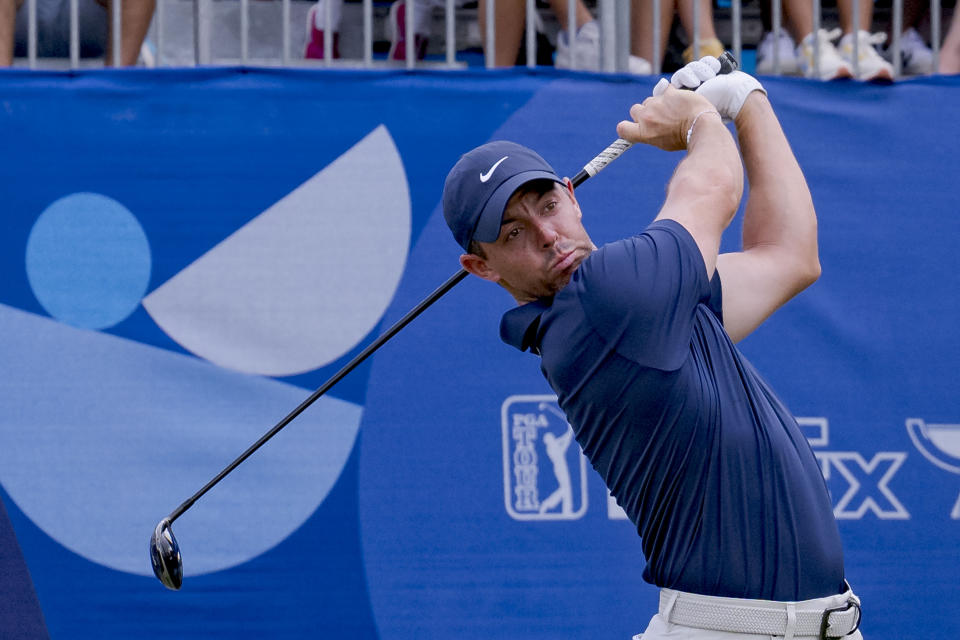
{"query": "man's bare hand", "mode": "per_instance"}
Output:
(663, 120)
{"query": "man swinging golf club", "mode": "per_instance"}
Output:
(637, 338)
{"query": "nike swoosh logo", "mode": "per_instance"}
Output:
(486, 176)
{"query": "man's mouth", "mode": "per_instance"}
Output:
(565, 261)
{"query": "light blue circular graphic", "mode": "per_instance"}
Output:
(88, 261)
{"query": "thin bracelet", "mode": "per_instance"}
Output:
(697, 117)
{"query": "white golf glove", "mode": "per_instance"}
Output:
(726, 92)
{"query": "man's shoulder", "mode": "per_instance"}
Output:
(641, 294)
(661, 246)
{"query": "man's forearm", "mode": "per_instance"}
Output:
(704, 192)
(712, 165)
(779, 211)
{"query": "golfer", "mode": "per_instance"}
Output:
(637, 338)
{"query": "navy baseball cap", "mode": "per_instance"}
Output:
(480, 184)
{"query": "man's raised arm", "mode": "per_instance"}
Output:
(705, 190)
(779, 258)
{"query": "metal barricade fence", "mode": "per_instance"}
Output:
(613, 18)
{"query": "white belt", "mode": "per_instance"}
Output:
(832, 617)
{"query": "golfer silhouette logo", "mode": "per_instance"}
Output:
(544, 477)
(940, 444)
(557, 451)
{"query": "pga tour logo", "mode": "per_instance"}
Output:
(544, 471)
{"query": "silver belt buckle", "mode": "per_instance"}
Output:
(825, 620)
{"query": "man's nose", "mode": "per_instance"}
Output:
(549, 236)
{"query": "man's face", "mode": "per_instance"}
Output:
(542, 242)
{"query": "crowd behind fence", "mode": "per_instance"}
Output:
(613, 18)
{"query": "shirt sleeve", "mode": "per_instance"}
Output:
(641, 294)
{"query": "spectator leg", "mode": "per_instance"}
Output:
(641, 28)
(950, 51)
(705, 16)
(8, 20)
(135, 16)
(561, 9)
(510, 17)
(845, 9)
(798, 18)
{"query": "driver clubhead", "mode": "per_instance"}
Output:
(165, 556)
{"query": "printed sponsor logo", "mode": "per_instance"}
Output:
(858, 485)
(486, 176)
(544, 471)
(940, 444)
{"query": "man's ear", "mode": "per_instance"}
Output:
(476, 265)
(569, 185)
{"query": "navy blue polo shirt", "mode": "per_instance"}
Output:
(707, 462)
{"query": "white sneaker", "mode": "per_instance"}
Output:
(639, 66)
(871, 65)
(831, 65)
(784, 48)
(584, 53)
(916, 57)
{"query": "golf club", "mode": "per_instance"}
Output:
(164, 549)
(727, 64)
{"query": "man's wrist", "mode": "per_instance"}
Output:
(693, 123)
(753, 99)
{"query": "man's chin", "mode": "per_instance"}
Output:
(568, 272)
(563, 279)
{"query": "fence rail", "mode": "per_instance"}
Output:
(458, 24)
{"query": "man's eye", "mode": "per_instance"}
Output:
(550, 206)
(513, 233)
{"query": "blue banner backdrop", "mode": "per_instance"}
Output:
(187, 254)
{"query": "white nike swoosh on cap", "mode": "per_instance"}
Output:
(486, 176)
